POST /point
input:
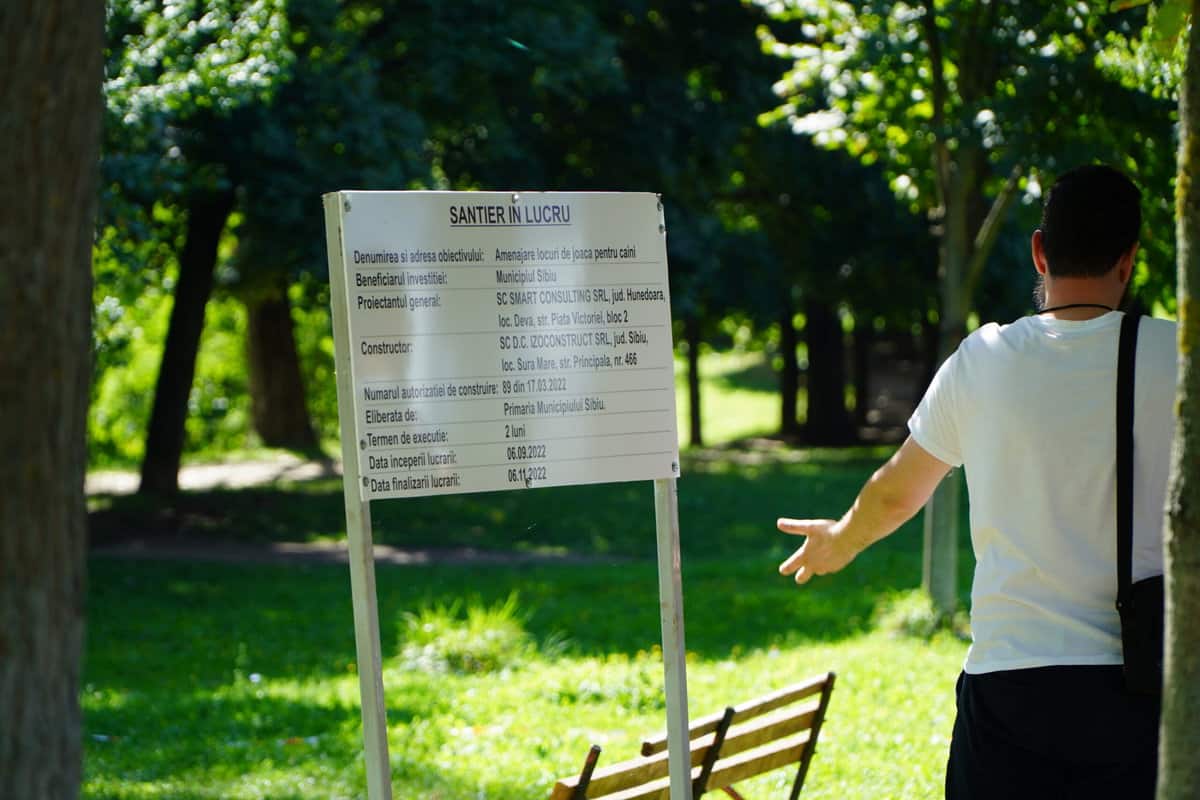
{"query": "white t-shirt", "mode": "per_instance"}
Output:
(1030, 410)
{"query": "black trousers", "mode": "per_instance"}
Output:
(1057, 733)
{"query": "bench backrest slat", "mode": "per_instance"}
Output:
(759, 760)
(630, 773)
(752, 708)
(765, 733)
(768, 728)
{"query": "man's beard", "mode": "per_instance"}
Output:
(1039, 292)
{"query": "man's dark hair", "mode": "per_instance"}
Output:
(1091, 218)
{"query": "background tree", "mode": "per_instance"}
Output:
(841, 246)
(180, 81)
(626, 96)
(1179, 769)
(327, 128)
(50, 112)
(695, 83)
(957, 103)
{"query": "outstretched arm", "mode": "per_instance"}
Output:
(890, 498)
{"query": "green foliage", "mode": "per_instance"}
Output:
(912, 613)
(177, 77)
(444, 638)
(1169, 20)
(129, 346)
(739, 391)
(314, 345)
(284, 101)
(219, 403)
(1040, 86)
(129, 322)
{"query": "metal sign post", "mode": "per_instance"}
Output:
(670, 601)
(489, 341)
(359, 539)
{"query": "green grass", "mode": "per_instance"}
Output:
(237, 681)
(207, 681)
(218, 681)
(739, 397)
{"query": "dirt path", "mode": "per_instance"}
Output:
(184, 548)
(169, 546)
(227, 475)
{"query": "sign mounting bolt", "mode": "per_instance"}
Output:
(346, 205)
(516, 196)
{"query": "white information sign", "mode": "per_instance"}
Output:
(503, 340)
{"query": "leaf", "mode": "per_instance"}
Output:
(1167, 25)
(1125, 5)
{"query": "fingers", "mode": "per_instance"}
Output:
(797, 527)
(801, 563)
(797, 567)
(793, 562)
(804, 527)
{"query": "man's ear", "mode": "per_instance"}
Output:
(1038, 250)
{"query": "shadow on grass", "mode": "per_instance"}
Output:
(757, 376)
(728, 501)
(242, 740)
(184, 624)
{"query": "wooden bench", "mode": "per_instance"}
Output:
(743, 741)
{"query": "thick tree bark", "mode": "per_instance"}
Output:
(50, 116)
(789, 375)
(1179, 768)
(164, 436)
(277, 396)
(827, 421)
(691, 335)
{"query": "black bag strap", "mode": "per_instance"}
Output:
(1126, 356)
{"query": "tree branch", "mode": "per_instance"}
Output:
(986, 236)
(938, 90)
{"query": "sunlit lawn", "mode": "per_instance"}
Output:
(740, 397)
(206, 680)
(216, 681)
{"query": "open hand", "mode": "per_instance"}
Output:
(824, 551)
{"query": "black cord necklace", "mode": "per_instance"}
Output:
(1076, 305)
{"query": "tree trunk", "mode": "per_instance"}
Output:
(789, 376)
(827, 421)
(691, 335)
(940, 568)
(864, 341)
(164, 436)
(1179, 769)
(276, 386)
(51, 59)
